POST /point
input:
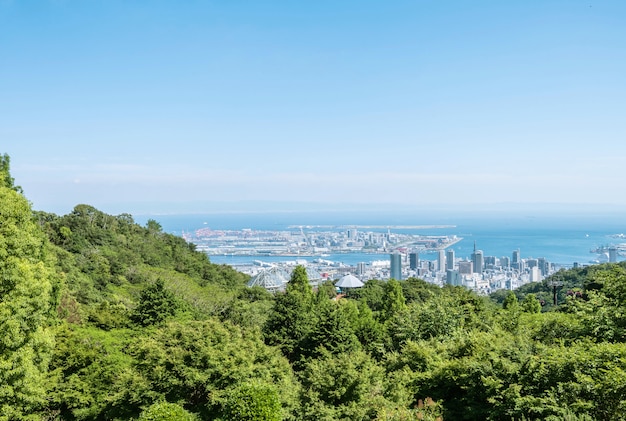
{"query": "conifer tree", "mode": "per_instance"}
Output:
(291, 319)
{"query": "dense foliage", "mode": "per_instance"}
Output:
(104, 319)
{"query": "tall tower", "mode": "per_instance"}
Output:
(516, 257)
(544, 266)
(477, 260)
(441, 260)
(396, 266)
(414, 260)
(516, 261)
(360, 268)
(450, 259)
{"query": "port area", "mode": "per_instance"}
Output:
(319, 240)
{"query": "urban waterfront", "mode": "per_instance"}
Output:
(560, 239)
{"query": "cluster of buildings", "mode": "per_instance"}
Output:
(483, 274)
(311, 246)
(314, 240)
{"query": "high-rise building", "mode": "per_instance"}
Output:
(505, 262)
(516, 261)
(490, 260)
(441, 260)
(414, 260)
(544, 266)
(477, 260)
(535, 274)
(516, 257)
(396, 266)
(360, 268)
(465, 267)
(450, 259)
(453, 277)
(612, 254)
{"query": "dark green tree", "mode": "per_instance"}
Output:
(156, 304)
(332, 332)
(292, 317)
(370, 332)
(346, 386)
(415, 289)
(5, 174)
(373, 293)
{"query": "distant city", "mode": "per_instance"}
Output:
(378, 253)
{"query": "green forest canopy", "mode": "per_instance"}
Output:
(105, 319)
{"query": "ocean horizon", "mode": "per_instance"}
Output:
(563, 239)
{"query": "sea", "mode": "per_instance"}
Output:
(562, 238)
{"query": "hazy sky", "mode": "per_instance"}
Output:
(164, 106)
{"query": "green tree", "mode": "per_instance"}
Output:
(332, 332)
(299, 281)
(585, 378)
(369, 331)
(510, 302)
(435, 318)
(326, 290)
(26, 303)
(373, 293)
(5, 174)
(253, 401)
(418, 290)
(156, 304)
(292, 318)
(393, 299)
(165, 411)
(202, 363)
(92, 376)
(346, 386)
(530, 304)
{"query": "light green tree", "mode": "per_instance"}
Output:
(26, 301)
(510, 302)
(393, 299)
(253, 401)
(166, 411)
(530, 304)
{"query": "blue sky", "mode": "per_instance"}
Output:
(163, 106)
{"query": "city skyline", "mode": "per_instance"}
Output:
(171, 107)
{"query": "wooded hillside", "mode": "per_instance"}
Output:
(103, 319)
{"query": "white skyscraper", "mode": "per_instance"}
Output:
(450, 260)
(441, 260)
